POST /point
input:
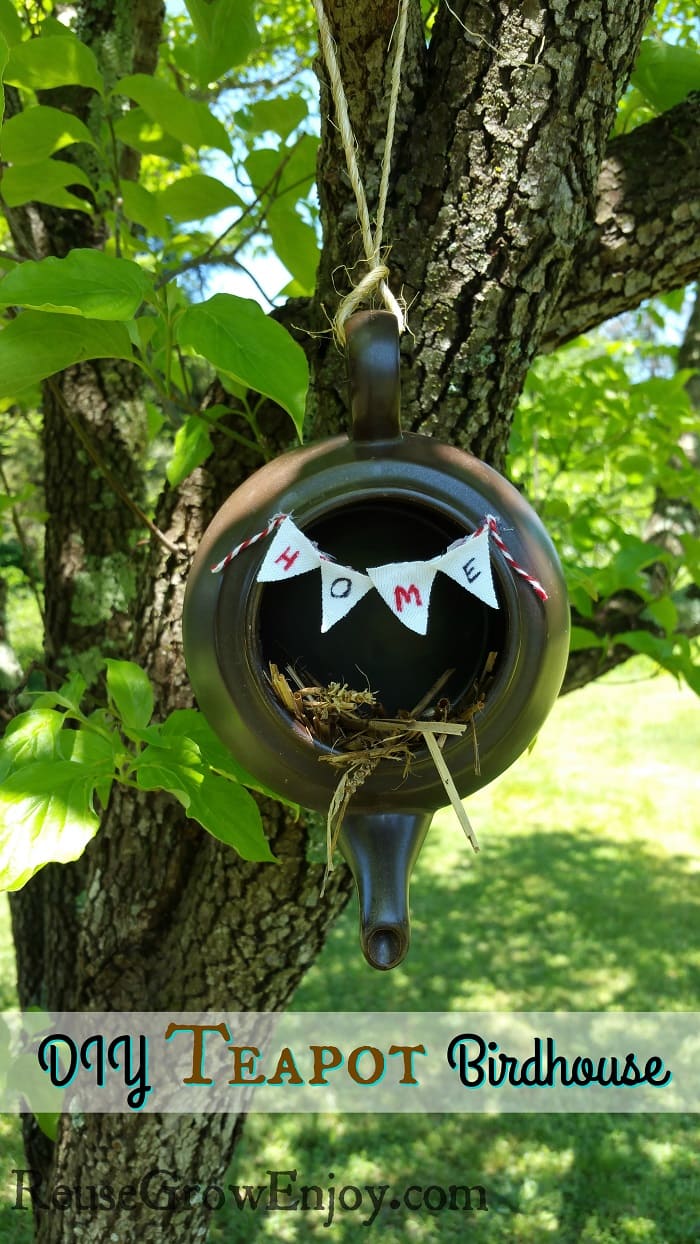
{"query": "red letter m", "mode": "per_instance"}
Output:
(402, 596)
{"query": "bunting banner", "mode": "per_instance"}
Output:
(405, 587)
(468, 562)
(291, 553)
(341, 589)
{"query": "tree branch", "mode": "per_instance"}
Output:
(646, 236)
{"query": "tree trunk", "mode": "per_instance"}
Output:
(501, 132)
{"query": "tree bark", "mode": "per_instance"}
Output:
(645, 236)
(501, 133)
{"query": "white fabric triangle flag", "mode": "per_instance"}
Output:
(405, 587)
(291, 553)
(468, 562)
(341, 589)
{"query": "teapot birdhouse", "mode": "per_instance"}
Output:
(358, 586)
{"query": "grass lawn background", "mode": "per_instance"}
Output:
(585, 896)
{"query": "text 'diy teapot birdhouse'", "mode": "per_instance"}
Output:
(368, 589)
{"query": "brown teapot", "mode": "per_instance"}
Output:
(377, 496)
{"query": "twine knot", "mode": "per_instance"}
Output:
(376, 279)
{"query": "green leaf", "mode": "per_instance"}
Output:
(34, 346)
(95, 751)
(10, 25)
(69, 695)
(48, 1122)
(141, 206)
(240, 340)
(131, 693)
(226, 32)
(188, 120)
(295, 166)
(222, 807)
(29, 737)
(4, 57)
(229, 814)
(672, 652)
(635, 465)
(137, 129)
(666, 73)
(189, 723)
(45, 182)
(87, 282)
(280, 115)
(192, 448)
(54, 60)
(46, 814)
(295, 244)
(664, 612)
(582, 638)
(196, 197)
(35, 134)
(159, 768)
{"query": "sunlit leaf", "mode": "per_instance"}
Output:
(295, 243)
(197, 196)
(47, 181)
(192, 448)
(37, 133)
(239, 339)
(281, 115)
(87, 282)
(191, 724)
(187, 120)
(141, 206)
(10, 25)
(36, 345)
(137, 129)
(231, 815)
(666, 73)
(221, 806)
(131, 693)
(54, 60)
(226, 32)
(29, 737)
(46, 815)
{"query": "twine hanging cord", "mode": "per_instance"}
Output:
(376, 279)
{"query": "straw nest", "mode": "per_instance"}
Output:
(360, 735)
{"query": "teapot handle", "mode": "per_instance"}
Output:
(372, 352)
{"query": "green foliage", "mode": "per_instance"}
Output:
(133, 278)
(32, 347)
(58, 762)
(187, 120)
(10, 24)
(4, 56)
(226, 36)
(666, 73)
(196, 196)
(192, 447)
(53, 60)
(255, 351)
(36, 134)
(595, 441)
(45, 181)
(87, 282)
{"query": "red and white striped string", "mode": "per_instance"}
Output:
(535, 584)
(489, 522)
(245, 544)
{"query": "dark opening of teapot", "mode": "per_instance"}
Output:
(369, 648)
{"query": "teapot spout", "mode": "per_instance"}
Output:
(381, 849)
